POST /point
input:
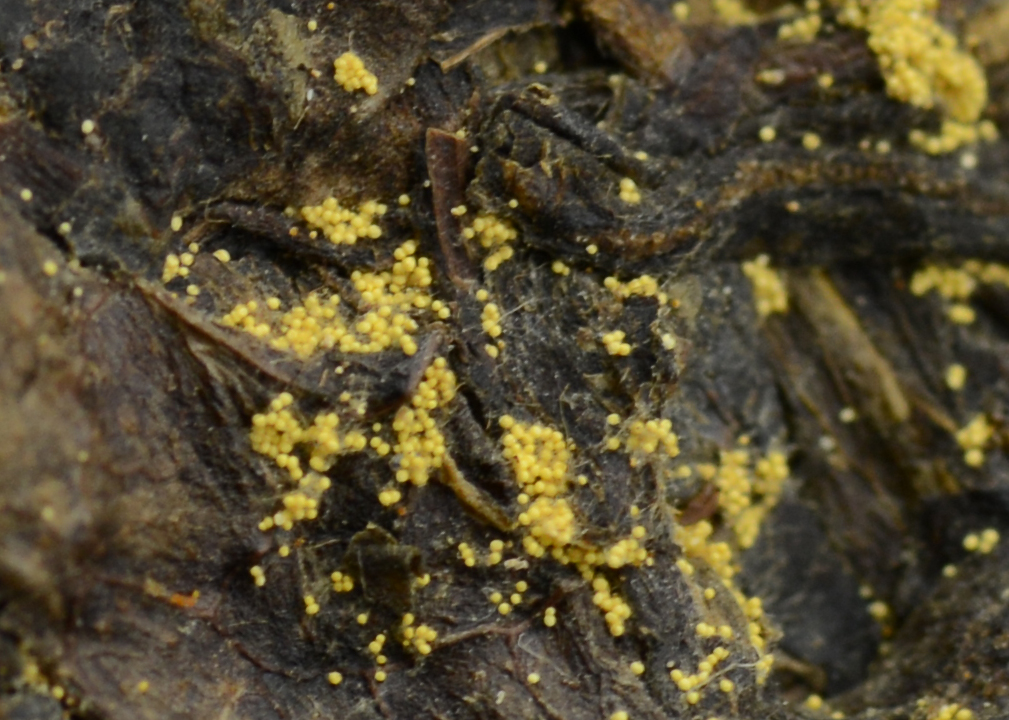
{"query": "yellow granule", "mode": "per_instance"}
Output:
(342, 226)
(349, 71)
(769, 291)
(652, 436)
(958, 284)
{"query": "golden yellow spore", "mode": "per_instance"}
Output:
(652, 436)
(258, 575)
(922, 64)
(802, 29)
(26, 195)
(973, 437)
(767, 134)
(494, 234)
(559, 268)
(388, 297)
(341, 583)
(638, 667)
(811, 141)
(351, 74)
(222, 255)
(681, 11)
(614, 343)
(643, 286)
(550, 617)
(50, 268)
(343, 226)
(334, 678)
(734, 12)
(629, 192)
(956, 376)
(769, 292)
(953, 711)
(983, 543)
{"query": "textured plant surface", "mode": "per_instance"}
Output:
(599, 360)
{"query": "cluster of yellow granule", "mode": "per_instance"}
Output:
(747, 493)
(920, 60)
(343, 226)
(951, 711)
(972, 439)
(495, 235)
(351, 74)
(983, 542)
(643, 286)
(388, 298)
(769, 292)
(957, 284)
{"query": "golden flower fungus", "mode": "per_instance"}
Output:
(350, 73)
(342, 226)
(495, 235)
(768, 290)
(922, 64)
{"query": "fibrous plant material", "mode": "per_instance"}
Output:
(583, 360)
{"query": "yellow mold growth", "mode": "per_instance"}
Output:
(922, 64)
(769, 292)
(318, 324)
(540, 457)
(495, 235)
(420, 445)
(629, 192)
(342, 226)
(644, 286)
(746, 496)
(958, 284)
(351, 74)
(734, 12)
(973, 437)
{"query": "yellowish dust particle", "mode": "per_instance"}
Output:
(351, 74)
